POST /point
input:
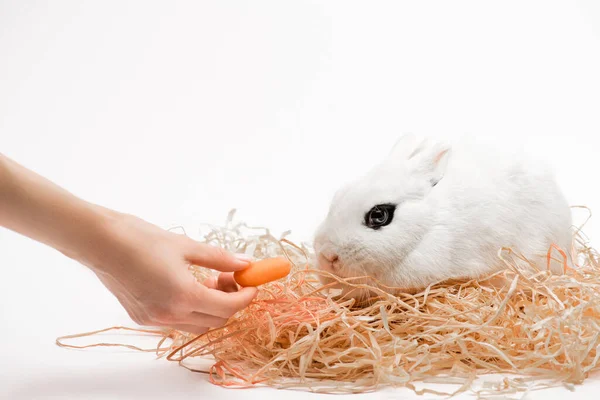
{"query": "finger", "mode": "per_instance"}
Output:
(226, 283)
(211, 282)
(215, 258)
(196, 330)
(222, 304)
(202, 319)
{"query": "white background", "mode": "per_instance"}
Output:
(178, 111)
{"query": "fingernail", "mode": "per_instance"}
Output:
(211, 282)
(243, 257)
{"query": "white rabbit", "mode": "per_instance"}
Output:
(432, 211)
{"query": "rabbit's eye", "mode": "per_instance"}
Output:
(380, 215)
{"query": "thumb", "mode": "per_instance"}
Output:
(216, 258)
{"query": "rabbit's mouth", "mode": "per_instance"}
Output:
(351, 261)
(335, 265)
(329, 263)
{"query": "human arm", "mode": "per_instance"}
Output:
(145, 267)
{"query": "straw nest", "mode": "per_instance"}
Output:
(540, 329)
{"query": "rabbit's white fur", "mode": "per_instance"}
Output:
(486, 199)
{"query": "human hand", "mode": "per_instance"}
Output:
(147, 269)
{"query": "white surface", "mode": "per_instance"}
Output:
(179, 111)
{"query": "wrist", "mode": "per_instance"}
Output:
(92, 233)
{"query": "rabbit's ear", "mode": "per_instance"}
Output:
(405, 148)
(432, 161)
(422, 156)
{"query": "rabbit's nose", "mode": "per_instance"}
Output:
(332, 258)
(328, 258)
(328, 252)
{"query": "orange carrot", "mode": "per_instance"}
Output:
(263, 271)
